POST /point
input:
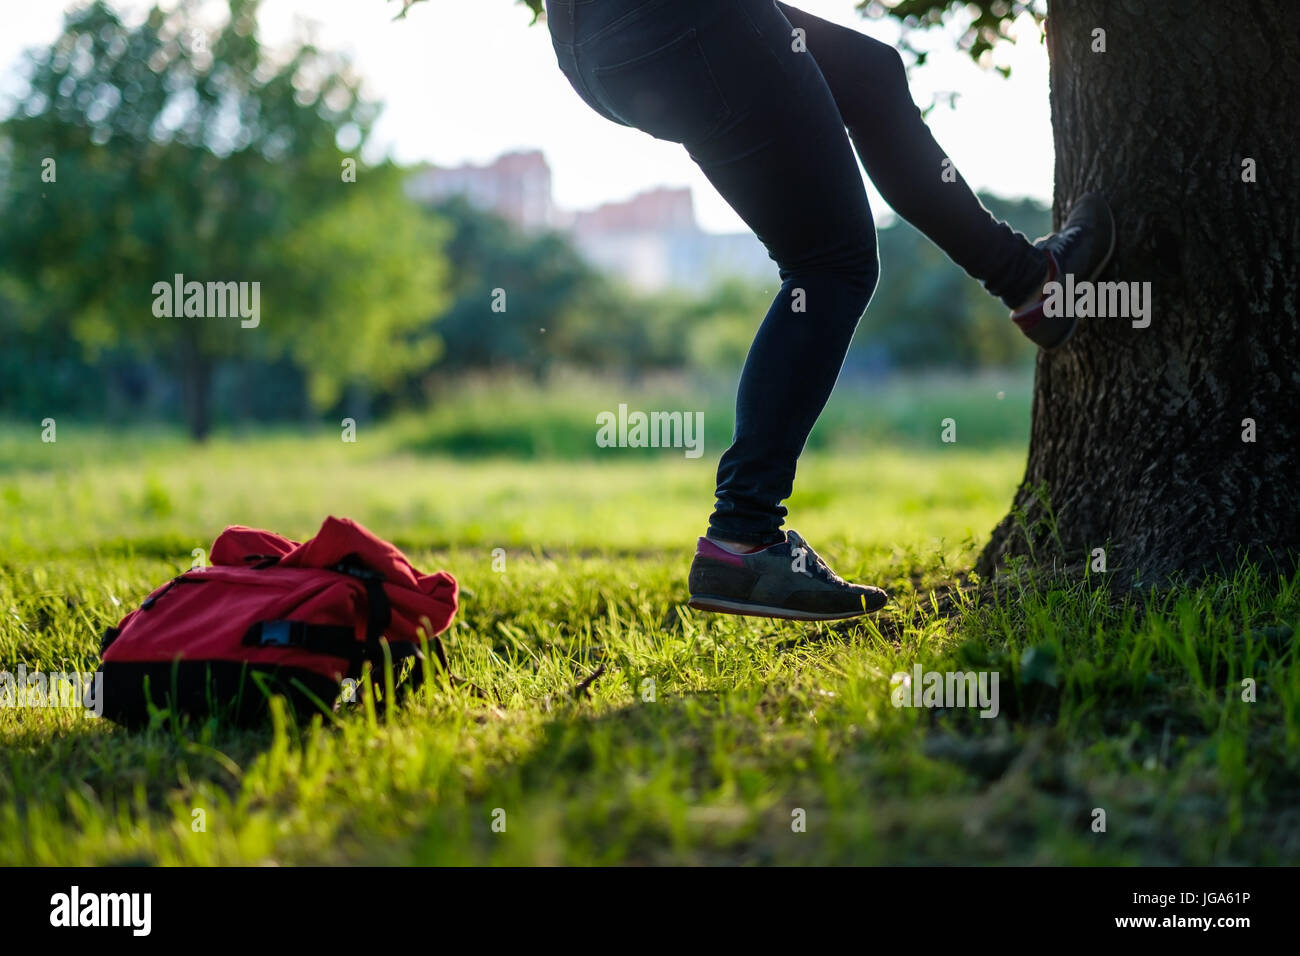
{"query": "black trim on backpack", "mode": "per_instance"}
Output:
(152, 599)
(110, 635)
(209, 688)
(333, 640)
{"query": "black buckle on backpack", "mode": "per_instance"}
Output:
(276, 634)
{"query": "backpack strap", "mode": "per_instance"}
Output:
(333, 640)
(337, 641)
(379, 611)
(379, 616)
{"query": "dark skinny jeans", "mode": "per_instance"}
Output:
(764, 112)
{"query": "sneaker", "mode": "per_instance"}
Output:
(787, 580)
(1082, 249)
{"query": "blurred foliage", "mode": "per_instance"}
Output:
(562, 313)
(548, 289)
(536, 6)
(364, 277)
(928, 313)
(184, 148)
(984, 23)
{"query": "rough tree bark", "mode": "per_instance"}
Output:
(1137, 433)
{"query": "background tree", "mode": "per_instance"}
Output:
(927, 313)
(1173, 447)
(538, 7)
(368, 278)
(542, 280)
(559, 309)
(180, 146)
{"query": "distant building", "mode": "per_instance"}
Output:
(515, 186)
(651, 241)
(666, 209)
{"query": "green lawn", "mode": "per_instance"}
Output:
(707, 739)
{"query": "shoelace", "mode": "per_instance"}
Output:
(1069, 237)
(817, 567)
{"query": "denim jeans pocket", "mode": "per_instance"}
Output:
(571, 73)
(670, 93)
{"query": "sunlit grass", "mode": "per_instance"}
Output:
(706, 738)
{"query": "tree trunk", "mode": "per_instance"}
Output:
(1139, 434)
(196, 386)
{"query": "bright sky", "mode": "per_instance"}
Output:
(466, 81)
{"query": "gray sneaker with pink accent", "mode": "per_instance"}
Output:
(787, 580)
(1082, 249)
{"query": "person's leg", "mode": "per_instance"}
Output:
(720, 76)
(788, 170)
(905, 163)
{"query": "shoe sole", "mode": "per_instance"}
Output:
(724, 606)
(1105, 261)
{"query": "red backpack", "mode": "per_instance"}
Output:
(271, 615)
